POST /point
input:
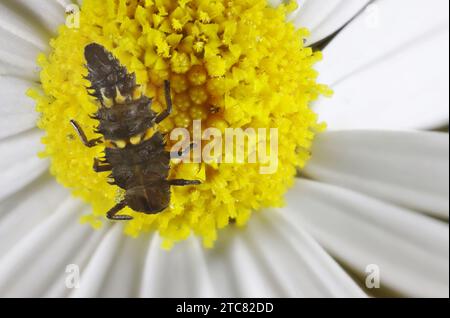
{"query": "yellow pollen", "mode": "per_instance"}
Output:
(197, 75)
(183, 101)
(198, 95)
(198, 112)
(178, 83)
(235, 64)
(183, 120)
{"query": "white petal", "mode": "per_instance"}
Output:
(389, 68)
(22, 24)
(407, 168)
(270, 258)
(18, 56)
(19, 144)
(130, 273)
(96, 271)
(181, 272)
(323, 17)
(26, 209)
(410, 249)
(275, 258)
(66, 3)
(41, 255)
(25, 30)
(19, 147)
(30, 222)
(40, 16)
(78, 255)
(17, 112)
(21, 174)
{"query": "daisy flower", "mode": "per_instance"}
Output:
(358, 206)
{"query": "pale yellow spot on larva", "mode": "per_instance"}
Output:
(135, 140)
(137, 93)
(120, 143)
(149, 133)
(107, 102)
(119, 97)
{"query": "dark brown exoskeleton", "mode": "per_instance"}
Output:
(134, 153)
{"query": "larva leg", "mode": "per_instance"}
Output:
(168, 110)
(112, 214)
(101, 166)
(82, 135)
(182, 182)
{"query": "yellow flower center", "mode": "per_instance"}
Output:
(231, 63)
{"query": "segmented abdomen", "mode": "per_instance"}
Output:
(139, 165)
(138, 160)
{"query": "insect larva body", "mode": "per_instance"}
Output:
(135, 152)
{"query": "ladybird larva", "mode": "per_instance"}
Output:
(137, 161)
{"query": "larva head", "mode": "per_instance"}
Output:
(109, 79)
(125, 111)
